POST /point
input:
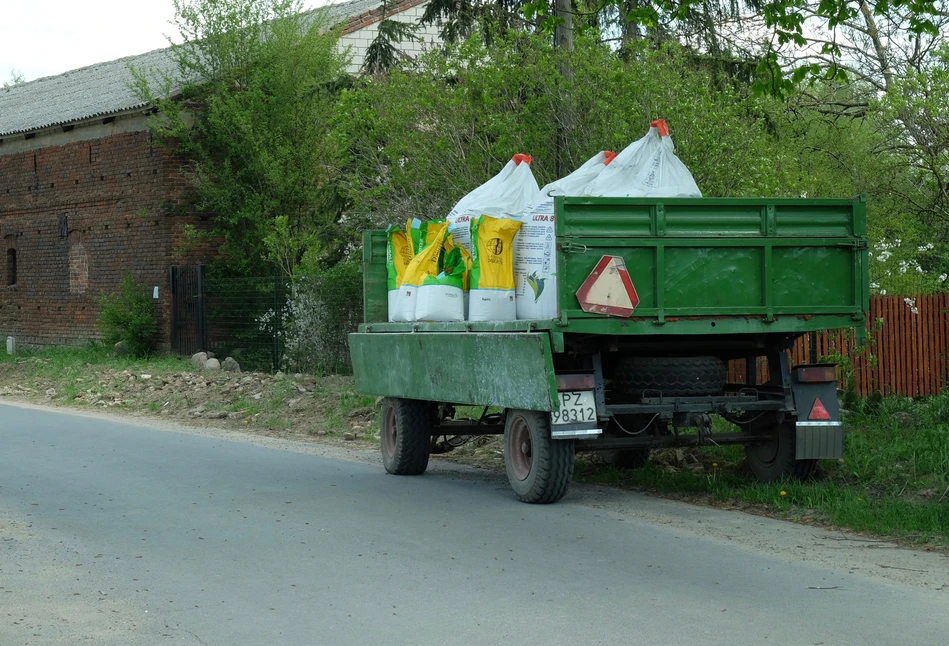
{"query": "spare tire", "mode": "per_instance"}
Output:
(671, 376)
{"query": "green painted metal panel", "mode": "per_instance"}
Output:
(374, 277)
(814, 277)
(465, 326)
(713, 277)
(510, 370)
(675, 326)
(708, 217)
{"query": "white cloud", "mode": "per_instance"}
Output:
(48, 37)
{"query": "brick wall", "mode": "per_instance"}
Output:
(75, 217)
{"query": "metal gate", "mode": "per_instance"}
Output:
(189, 319)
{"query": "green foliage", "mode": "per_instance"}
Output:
(324, 306)
(893, 480)
(259, 80)
(127, 316)
(417, 140)
(383, 53)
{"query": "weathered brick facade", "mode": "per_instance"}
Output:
(73, 217)
(85, 195)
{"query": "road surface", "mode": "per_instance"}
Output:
(117, 533)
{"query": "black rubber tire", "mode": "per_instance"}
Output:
(671, 376)
(626, 458)
(405, 435)
(539, 468)
(774, 461)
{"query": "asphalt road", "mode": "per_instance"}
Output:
(112, 533)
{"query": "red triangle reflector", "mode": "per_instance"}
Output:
(818, 411)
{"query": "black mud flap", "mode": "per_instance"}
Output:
(820, 433)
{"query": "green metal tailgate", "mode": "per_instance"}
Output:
(510, 370)
(712, 266)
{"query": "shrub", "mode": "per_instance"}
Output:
(323, 309)
(127, 316)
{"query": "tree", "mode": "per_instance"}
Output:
(383, 53)
(249, 109)
(16, 78)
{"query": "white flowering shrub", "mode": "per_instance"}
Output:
(321, 311)
(897, 267)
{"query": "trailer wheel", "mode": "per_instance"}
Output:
(405, 435)
(774, 460)
(539, 468)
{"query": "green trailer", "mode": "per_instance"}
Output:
(712, 280)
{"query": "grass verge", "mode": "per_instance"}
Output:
(278, 405)
(893, 480)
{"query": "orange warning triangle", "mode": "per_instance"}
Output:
(818, 411)
(608, 289)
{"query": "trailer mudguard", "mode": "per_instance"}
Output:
(509, 370)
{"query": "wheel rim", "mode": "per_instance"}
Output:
(520, 449)
(389, 431)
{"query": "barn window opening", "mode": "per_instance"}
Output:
(11, 266)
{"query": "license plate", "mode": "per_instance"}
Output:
(576, 407)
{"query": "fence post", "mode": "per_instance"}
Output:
(202, 316)
(276, 327)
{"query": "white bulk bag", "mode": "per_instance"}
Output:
(508, 194)
(535, 253)
(646, 168)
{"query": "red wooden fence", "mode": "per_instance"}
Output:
(908, 344)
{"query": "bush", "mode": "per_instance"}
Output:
(127, 316)
(323, 309)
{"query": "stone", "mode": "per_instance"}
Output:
(349, 437)
(212, 364)
(121, 349)
(197, 410)
(903, 419)
(211, 355)
(230, 365)
(198, 359)
(360, 413)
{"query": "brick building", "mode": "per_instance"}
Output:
(85, 195)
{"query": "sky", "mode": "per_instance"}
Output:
(47, 37)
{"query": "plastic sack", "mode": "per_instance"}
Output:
(507, 194)
(492, 272)
(422, 265)
(646, 168)
(398, 256)
(441, 297)
(535, 254)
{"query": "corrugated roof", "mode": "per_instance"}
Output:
(102, 89)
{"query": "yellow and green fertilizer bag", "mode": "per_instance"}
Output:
(421, 233)
(398, 257)
(492, 270)
(441, 297)
(425, 263)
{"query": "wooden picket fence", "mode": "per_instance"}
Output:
(907, 351)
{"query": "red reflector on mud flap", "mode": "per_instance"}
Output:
(818, 412)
